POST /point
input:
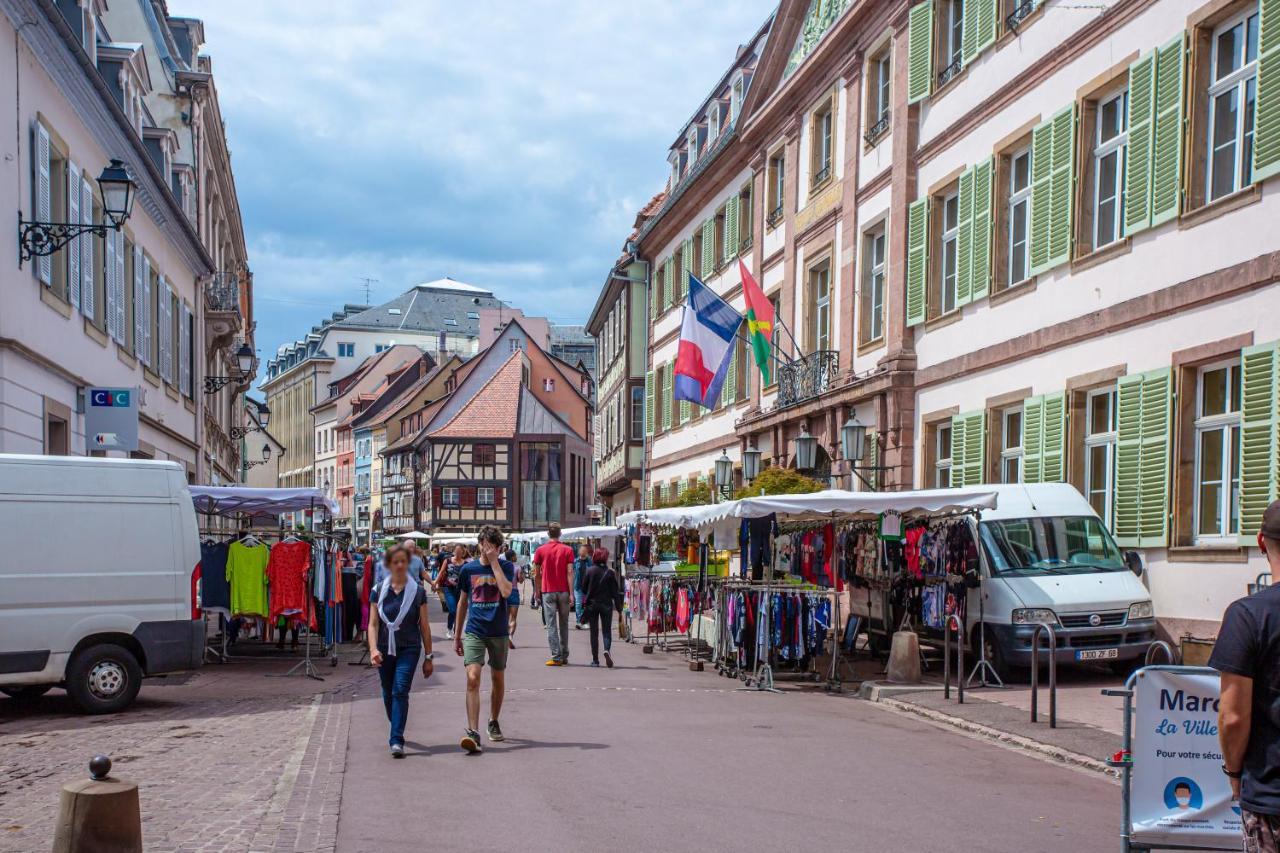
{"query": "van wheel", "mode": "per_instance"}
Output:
(26, 694)
(103, 679)
(996, 657)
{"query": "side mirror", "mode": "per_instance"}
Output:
(1133, 560)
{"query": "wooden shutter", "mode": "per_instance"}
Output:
(917, 260)
(979, 28)
(1033, 440)
(1062, 180)
(43, 201)
(964, 238)
(1142, 458)
(980, 250)
(148, 322)
(499, 497)
(666, 397)
(1044, 426)
(88, 303)
(1166, 162)
(729, 391)
(437, 498)
(873, 459)
(920, 52)
(73, 249)
(1259, 436)
(109, 285)
(166, 330)
(119, 285)
(682, 285)
(731, 229)
(184, 350)
(1137, 169)
(648, 403)
(708, 249)
(1266, 143)
(968, 448)
(655, 291)
(467, 496)
(139, 309)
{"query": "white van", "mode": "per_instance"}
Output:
(99, 560)
(1045, 556)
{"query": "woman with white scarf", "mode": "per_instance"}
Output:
(399, 632)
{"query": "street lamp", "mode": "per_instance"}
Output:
(266, 457)
(853, 442)
(117, 189)
(724, 474)
(806, 450)
(750, 463)
(264, 416)
(244, 363)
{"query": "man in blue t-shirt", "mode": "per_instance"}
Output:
(484, 587)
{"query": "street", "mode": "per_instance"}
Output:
(647, 755)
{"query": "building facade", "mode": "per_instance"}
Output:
(1020, 242)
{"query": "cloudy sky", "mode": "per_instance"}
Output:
(505, 144)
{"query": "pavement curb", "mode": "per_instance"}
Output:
(1056, 753)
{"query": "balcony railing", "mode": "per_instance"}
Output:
(222, 293)
(820, 177)
(877, 130)
(1020, 14)
(806, 377)
(774, 217)
(744, 245)
(397, 480)
(945, 75)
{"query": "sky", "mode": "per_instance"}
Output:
(504, 144)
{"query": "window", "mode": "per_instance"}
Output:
(950, 250)
(548, 385)
(1217, 451)
(879, 92)
(942, 456)
(637, 412)
(872, 307)
(472, 315)
(484, 497)
(1232, 92)
(514, 344)
(744, 218)
(484, 454)
(820, 299)
(1011, 445)
(346, 350)
(377, 348)
(820, 144)
(450, 497)
(721, 237)
(1110, 140)
(951, 20)
(1100, 452)
(449, 321)
(1019, 214)
(776, 176)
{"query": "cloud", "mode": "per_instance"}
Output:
(508, 144)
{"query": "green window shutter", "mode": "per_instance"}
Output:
(969, 33)
(964, 238)
(1142, 458)
(648, 403)
(666, 396)
(731, 229)
(1137, 169)
(917, 260)
(1041, 169)
(708, 249)
(682, 286)
(1033, 440)
(1062, 180)
(1266, 123)
(671, 393)
(979, 28)
(666, 289)
(980, 251)
(1259, 436)
(968, 448)
(1166, 162)
(729, 391)
(988, 15)
(920, 52)
(1053, 444)
(873, 459)
(655, 292)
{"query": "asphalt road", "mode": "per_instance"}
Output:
(650, 756)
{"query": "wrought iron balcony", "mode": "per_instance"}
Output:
(820, 177)
(222, 293)
(877, 130)
(744, 245)
(774, 217)
(806, 377)
(1020, 14)
(945, 75)
(397, 480)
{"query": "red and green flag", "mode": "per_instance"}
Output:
(759, 321)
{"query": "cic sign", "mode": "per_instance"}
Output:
(111, 419)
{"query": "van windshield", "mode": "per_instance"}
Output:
(1050, 546)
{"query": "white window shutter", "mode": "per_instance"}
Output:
(139, 309)
(147, 321)
(184, 350)
(87, 270)
(166, 330)
(109, 287)
(73, 248)
(120, 285)
(44, 197)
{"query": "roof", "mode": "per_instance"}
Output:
(494, 410)
(393, 408)
(428, 412)
(427, 308)
(447, 283)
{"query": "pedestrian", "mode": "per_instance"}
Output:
(447, 582)
(484, 585)
(603, 596)
(417, 565)
(513, 601)
(1247, 654)
(551, 574)
(580, 567)
(399, 635)
(351, 571)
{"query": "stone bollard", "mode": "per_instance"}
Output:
(99, 814)
(904, 658)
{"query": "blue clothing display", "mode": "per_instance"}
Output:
(486, 607)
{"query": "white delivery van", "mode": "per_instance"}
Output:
(1045, 556)
(99, 560)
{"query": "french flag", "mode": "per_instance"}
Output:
(707, 331)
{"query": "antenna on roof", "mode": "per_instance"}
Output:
(368, 288)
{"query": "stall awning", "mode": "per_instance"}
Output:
(593, 531)
(229, 500)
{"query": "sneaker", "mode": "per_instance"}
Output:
(397, 750)
(596, 664)
(608, 660)
(471, 742)
(554, 662)
(448, 635)
(495, 732)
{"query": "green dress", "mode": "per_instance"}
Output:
(247, 576)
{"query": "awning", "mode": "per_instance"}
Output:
(594, 531)
(413, 535)
(230, 500)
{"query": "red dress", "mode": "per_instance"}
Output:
(287, 578)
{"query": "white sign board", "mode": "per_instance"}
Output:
(111, 418)
(1179, 794)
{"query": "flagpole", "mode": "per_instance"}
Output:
(794, 343)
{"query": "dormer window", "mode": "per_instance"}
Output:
(449, 321)
(394, 311)
(713, 120)
(691, 139)
(736, 91)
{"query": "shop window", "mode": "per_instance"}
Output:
(776, 176)
(1217, 453)
(1100, 452)
(871, 299)
(1011, 445)
(1232, 93)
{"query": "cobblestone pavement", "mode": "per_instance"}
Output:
(226, 759)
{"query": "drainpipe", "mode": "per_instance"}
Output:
(638, 272)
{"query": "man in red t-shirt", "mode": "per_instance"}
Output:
(551, 575)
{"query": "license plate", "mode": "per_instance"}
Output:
(1098, 654)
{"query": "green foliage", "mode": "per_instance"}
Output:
(695, 496)
(780, 481)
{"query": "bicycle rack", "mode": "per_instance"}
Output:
(1053, 673)
(953, 619)
(1160, 645)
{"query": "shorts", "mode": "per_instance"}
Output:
(474, 649)
(1261, 832)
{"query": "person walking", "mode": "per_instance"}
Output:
(484, 585)
(447, 582)
(399, 635)
(513, 601)
(551, 574)
(603, 596)
(580, 567)
(351, 571)
(1247, 654)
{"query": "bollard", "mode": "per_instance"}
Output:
(904, 658)
(99, 814)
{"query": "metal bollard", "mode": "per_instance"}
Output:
(946, 658)
(1053, 674)
(1160, 645)
(98, 814)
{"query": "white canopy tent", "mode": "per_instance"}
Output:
(416, 534)
(571, 534)
(229, 500)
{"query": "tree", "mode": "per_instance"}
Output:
(693, 496)
(780, 481)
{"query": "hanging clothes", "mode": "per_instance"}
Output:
(215, 591)
(287, 569)
(247, 577)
